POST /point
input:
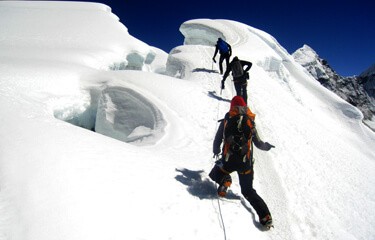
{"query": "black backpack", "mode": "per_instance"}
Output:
(237, 69)
(237, 136)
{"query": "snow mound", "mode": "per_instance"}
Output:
(70, 38)
(206, 32)
(153, 61)
(178, 63)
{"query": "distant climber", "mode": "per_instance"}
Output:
(225, 51)
(237, 132)
(240, 76)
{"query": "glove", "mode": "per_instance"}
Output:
(222, 84)
(268, 145)
(216, 151)
(247, 75)
(213, 59)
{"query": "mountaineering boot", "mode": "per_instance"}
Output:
(223, 187)
(267, 221)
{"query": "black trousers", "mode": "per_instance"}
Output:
(223, 56)
(241, 90)
(246, 175)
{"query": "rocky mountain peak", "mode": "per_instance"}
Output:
(357, 90)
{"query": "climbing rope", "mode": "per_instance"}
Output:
(218, 200)
(221, 218)
(220, 212)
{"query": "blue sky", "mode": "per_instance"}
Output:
(342, 32)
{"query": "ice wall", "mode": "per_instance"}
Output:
(126, 115)
(196, 33)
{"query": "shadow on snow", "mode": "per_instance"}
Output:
(203, 188)
(205, 70)
(199, 186)
(214, 95)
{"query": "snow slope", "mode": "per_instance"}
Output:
(61, 181)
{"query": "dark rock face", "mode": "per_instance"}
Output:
(356, 90)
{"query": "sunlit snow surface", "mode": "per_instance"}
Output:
(69, 70)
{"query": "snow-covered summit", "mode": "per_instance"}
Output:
(305, 55)
(309, 59)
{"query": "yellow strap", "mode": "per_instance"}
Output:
(246, 172)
